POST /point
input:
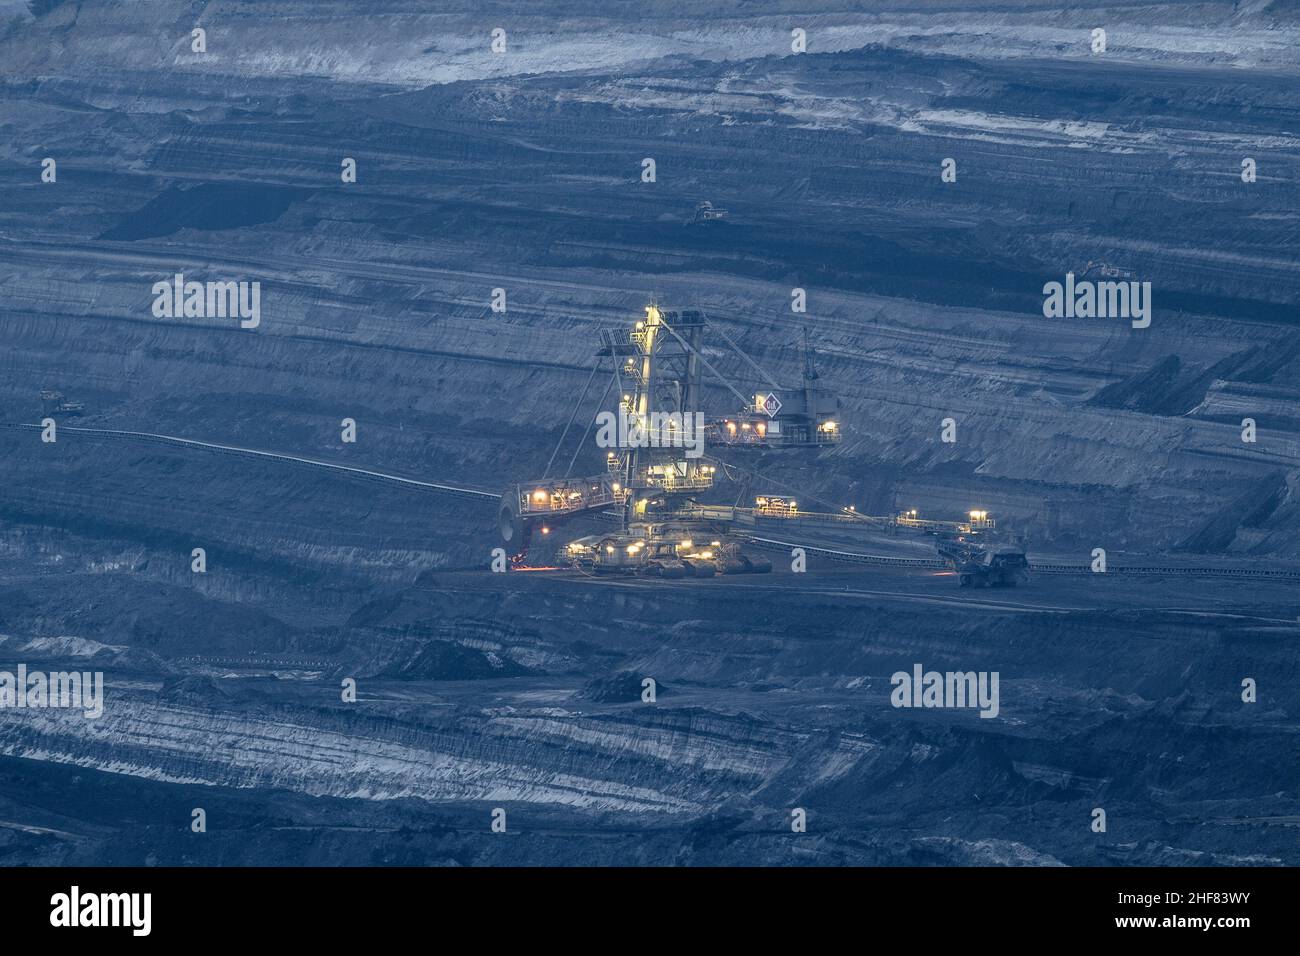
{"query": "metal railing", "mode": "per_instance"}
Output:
(568, 495)
(679, 482)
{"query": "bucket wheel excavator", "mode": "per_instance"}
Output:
(656, 476)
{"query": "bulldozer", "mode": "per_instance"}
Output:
(53, 403)
(706, 212)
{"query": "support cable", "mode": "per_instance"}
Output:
(572, 415)
(599, 405)
(694, 351)
(739, 351)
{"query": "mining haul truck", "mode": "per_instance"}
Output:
(983, 565)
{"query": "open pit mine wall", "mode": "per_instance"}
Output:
(478, 172)
(763, 706)
(924, 297)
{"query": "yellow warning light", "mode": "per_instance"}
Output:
(545, 530)
(539, 495)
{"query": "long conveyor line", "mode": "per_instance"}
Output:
(770, 544)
